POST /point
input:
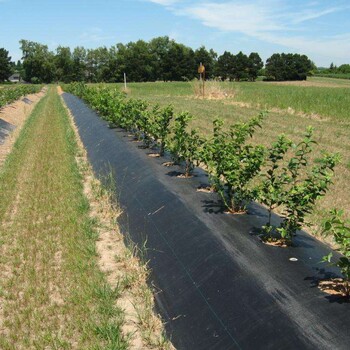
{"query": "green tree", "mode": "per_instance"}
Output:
(255, 64)
(289, 66)
(79, 64)
(344, 68)
(5, 65)
(138, 61)
(63, 64)
(241, 66)
(225, 65)
(208, 59)
(179, 63)
(159, 48)
(38, 62)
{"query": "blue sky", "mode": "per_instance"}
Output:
(320, 29)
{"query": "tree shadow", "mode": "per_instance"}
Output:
(213, 206)
(174, 173)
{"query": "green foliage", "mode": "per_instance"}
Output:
(271, 189)
(208, 59)
(305, 185)
(340, 230)
(287, 180)
(184, 145)
(10, 94)
(239, 67)
(232, 163)
(341, 72)
(63, 64)
(288, 67)
(5, 65)
(293, 183)
(161, 59)
(38, 62)
(161, 125)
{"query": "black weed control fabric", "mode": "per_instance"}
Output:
(218, 286)
(5, 129)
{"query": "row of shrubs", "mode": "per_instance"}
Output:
(9, 94)
(280, 176)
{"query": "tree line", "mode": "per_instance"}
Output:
(160, 59)
(333, 71)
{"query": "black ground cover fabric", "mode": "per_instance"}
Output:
(5, 128)
(218, 286)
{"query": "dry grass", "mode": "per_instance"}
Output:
(213, 90)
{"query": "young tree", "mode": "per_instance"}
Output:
(5, 65)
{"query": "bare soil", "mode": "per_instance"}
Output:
(154, 155)
(334, 286)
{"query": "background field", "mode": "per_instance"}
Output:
(320, 102)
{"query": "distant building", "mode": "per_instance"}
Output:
(15, 78)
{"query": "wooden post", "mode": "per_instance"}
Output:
(125, 81)
(201, 71)
(203, 82)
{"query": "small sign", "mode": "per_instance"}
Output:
(201, 69)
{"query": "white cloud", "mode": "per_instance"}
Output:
(271, 21)
(247, 18)
(310, 14)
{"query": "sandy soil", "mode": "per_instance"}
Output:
(16, 114)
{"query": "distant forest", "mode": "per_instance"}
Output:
(160, 59)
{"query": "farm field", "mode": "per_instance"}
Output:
(322, 103)
(54, 291)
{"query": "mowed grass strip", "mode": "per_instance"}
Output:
(52, 294)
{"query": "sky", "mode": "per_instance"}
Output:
(319, 29)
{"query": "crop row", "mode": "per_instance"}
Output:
(280, 176)
(10, 94)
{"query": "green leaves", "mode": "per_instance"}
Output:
(286, 178)
(340, 230)
(10, 94)
(184, 145)
(232, 163)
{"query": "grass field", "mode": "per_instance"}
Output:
(320, 102)
(52, 293)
